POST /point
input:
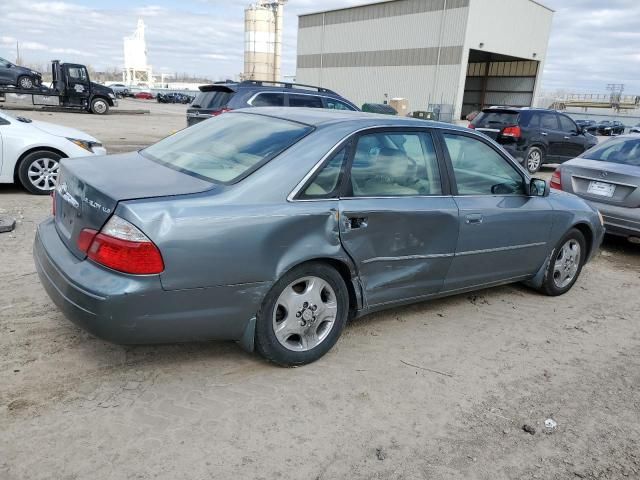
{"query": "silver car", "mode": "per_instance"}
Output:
(608, 177)
(273, 227)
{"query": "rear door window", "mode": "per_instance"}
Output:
(549, 121)
(268, 99)
(212, 100)
(567, 125)
(310, 101)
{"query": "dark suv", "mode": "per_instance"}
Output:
(224, 96)
(21, 77)
(534, 136)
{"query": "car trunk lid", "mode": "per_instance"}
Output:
(90, 189)
(605, 182)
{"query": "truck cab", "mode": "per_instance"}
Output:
(72, 83)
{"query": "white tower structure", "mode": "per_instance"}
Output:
(136, 69)
(263, 22)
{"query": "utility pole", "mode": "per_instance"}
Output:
(18, 57)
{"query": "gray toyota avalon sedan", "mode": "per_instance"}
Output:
(272, 227)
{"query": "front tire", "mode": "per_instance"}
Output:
(303, 315)
(565, 264)
(99, 106)
(534, 159)
(38, 172)
(25, 82)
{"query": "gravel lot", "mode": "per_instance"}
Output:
(438, 390)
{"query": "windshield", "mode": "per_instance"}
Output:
(619, 150)
(228, 147)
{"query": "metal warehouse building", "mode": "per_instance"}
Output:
(454, 56)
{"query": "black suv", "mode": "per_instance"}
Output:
(21, 77)
(534, 136)
(224, 96)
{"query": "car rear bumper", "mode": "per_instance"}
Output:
(622, 221)
(130, 309)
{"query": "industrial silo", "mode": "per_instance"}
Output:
(263, 40)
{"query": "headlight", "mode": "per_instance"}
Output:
(600, 217)
(111, 95)
(87, 145)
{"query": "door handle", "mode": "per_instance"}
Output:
(567, 138)
(544, 134)
(351, 223)
(473, 218)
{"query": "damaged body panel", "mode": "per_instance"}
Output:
(377, 211)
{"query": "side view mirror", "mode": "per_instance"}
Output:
(538, 188)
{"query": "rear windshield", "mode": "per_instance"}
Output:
(212, 99)
(227, 147)
(619, 150)
(495, 119)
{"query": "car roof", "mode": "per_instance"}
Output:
(319, 117)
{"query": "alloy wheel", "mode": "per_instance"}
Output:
(567, 263)
(304, 314)
(43, 173)
(533, 160)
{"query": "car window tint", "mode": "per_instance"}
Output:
(310, 101)
(531, 120)
(620, 150)
(268, 99)
(549, 121)
(496, 119)
(334, 104)
(567, 125)
(480, 170)
(212, 99)
(395, 165)
(226, 147)
(327, 181)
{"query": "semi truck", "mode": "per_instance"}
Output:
(71, 88)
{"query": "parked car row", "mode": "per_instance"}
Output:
(604, 127)
(174, 97)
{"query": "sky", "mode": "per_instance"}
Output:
(593, 42)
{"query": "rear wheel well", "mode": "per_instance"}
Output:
(345, 272)
(28, 152)
(588, 236)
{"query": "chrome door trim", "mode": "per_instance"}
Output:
(500, 249)
(409, 257)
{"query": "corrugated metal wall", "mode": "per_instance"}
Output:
(499, 83)
(404, 48)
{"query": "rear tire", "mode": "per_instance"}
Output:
(99, 106)
(303, 315)
(565, 266)
(534, 159)
(25, 82)
(38, 172)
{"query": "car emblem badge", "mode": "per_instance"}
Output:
(603, 174)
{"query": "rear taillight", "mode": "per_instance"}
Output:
(472, 126)
(215, 113)
(556, 180)
(123, 247)
(513, 131)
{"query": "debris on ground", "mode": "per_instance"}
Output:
(529, 429)
(550, 424)
(7, 224)
(380, 454)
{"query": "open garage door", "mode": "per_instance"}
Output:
(494, 79)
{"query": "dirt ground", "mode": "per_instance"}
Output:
(438, 390)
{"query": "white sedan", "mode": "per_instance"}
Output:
(30, 151)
